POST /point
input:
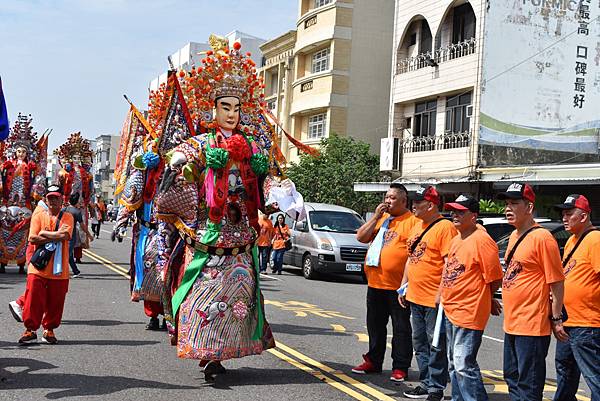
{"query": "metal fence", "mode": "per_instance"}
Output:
(441, 55)
(428, 143)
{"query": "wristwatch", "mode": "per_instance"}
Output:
(555, 319)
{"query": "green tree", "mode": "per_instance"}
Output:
(330, 177)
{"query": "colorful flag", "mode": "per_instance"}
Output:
(4, 128)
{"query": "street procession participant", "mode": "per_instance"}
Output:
(533, 272)
(75, 158)
(428, 247)
(212, 189)
(471, 275)
(47, 286)
(264, 240)
(387, 231)
(22, 184)
(139, 168)
(581, 263)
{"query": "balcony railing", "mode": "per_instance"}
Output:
(428, 143)
(440, 55)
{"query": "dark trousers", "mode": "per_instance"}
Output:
(381, 305)
(432, 361)
(72, 263)
(265, 254)
(278, 260)
(96, 230)
(580, 355)
(525, 366)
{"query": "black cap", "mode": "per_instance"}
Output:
(575, 201)
(54, 190)
(464, 202)
(517, 190)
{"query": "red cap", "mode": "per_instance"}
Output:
(427, 193)
(575, 201)
(518, 190)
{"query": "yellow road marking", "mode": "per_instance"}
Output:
(106, 263)
(342, 376)
(338, 328)
(319, 375)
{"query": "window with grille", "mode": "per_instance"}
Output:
(424, 119)
(271, 104)
(321, 3)
(316, 126)
(457, 120)
(320, 61)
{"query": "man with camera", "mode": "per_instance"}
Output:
(48, 270)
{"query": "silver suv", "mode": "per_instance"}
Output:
(325, 242)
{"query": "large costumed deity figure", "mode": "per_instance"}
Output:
(23, 184)
(75, 157)
(212, 189)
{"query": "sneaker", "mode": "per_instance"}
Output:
(16, 310)
(398, 375)
(49, 338)
(366, 367)
(435, 397)
(28, 337)
(153, 324)
(76, 275)
(417, 392)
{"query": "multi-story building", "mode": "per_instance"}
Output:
(191, 54)
(334, 79)
(105, 151)
(52, 168)
(484, 93)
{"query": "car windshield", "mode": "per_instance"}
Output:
(339, 222)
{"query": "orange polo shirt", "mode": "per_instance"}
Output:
(525, 286)
(43, 221)
(426, 263)
(392, 260)
(280, 235)
(266, 232)
(582, 282)
(473, 263)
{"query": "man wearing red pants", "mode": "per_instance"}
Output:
(47, 288)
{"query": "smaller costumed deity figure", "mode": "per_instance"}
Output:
(75, 158)
(23, 184)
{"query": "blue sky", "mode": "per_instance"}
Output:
(68, 62)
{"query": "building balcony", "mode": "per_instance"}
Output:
(320, 25)
(429, 143)
(438, 57)
(318, 91)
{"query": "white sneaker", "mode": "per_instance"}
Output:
(16, 310)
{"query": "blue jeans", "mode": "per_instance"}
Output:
(580, 355)
(525, 366)
(265, 254)
(278, 260)
(465, 376)
(433, 363)
(72, 263)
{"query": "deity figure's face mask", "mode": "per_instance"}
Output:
(228, 112)
(21, 153)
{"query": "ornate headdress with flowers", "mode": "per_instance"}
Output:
(224, 72)
(75, 145)
(22, 136)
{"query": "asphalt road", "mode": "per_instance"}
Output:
(105, 353)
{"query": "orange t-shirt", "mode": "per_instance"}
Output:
(582, 282)
(426, 263)
(392, 260)
(280, 235)
(473, 263)
(525, 286)
(266, 233)
(43, 221)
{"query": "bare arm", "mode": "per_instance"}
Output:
(558, 290)
(496, 306)
(365, 233)
(402, 298)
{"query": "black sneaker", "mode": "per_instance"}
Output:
(28, 337)
(435, 397)
(417, 392)
(49, 338)
(153, 324)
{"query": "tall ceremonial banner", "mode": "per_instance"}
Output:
(177, 123)
(541, 75)
(135, 126)
(4, 128)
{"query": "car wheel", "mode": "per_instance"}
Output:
(308, 269)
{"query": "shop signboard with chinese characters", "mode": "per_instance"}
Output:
(541, 75)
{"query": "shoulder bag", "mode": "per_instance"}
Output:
(43, 253)
(288, 242)
(416, 243)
